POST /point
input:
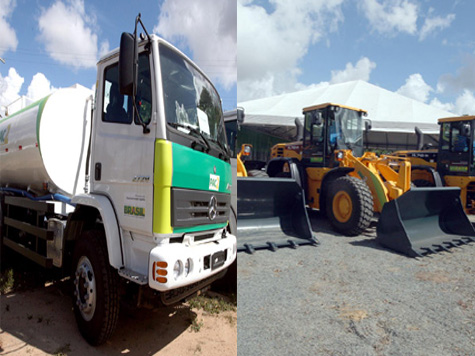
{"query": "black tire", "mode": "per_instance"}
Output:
(422, 183)
(349, 205)
(257, 173)
(96, 306)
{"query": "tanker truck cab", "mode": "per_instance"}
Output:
(153, 218)
(164, 165)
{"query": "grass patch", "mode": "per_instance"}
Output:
(230, 319)
(196, 325)
(6, 281)
(211, 304)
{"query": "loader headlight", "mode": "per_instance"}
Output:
(340, 155)
(177, 269)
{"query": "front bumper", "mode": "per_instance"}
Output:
(175, 265)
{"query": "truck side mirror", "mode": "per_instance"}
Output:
(128, 59)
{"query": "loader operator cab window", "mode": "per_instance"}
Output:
(345, 130)
(314, 133)
(119, 108)
(456, 137)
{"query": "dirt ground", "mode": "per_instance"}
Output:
(351, 296)
(36, 318)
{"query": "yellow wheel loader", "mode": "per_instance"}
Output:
(452, 164)
(350, 185)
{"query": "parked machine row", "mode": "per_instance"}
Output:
(352, 187)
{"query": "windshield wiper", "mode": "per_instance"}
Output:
(227, 154)
(195, 131)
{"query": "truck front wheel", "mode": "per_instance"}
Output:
(96, 297)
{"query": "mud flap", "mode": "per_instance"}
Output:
(271, 214)
(423, 221)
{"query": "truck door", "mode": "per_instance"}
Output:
(123, 156)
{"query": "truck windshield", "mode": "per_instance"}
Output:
(190, 99)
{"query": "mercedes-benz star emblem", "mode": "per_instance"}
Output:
(212, 208)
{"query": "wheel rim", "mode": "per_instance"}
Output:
(342, 206)
(85, 288)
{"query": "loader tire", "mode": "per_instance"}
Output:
(349, 205)
(96, 288)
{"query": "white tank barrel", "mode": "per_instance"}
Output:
(43, 147)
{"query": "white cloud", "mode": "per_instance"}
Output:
(433, 24)
(389, 17)
(68, 35)
(416, 88)
(8, 39)
(272, 43)
(300, 86)
(444, 106)
(10, 87)
(39, 87)
(105, 48)
(360, 71)
(465, 103)
(208, 28)
(463, 79)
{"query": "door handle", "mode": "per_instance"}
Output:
(97, 171)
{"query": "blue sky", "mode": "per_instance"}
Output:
(424, 49)
(51, 44)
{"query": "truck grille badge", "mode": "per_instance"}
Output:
(212, 208)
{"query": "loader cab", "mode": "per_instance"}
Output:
(456, 147)
(329, 128)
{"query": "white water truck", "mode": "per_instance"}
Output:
(129, 190)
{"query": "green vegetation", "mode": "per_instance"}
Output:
(212, 305)
(6, 281)
(63, 350)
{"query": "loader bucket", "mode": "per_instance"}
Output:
(271, 214)
(423, 221)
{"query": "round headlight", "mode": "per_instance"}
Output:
(188, 266)
(177, 269)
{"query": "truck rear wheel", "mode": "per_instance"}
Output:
(349, 205)
(96, 296)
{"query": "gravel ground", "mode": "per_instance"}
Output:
(349, 296)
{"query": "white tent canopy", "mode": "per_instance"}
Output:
(393, 116)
